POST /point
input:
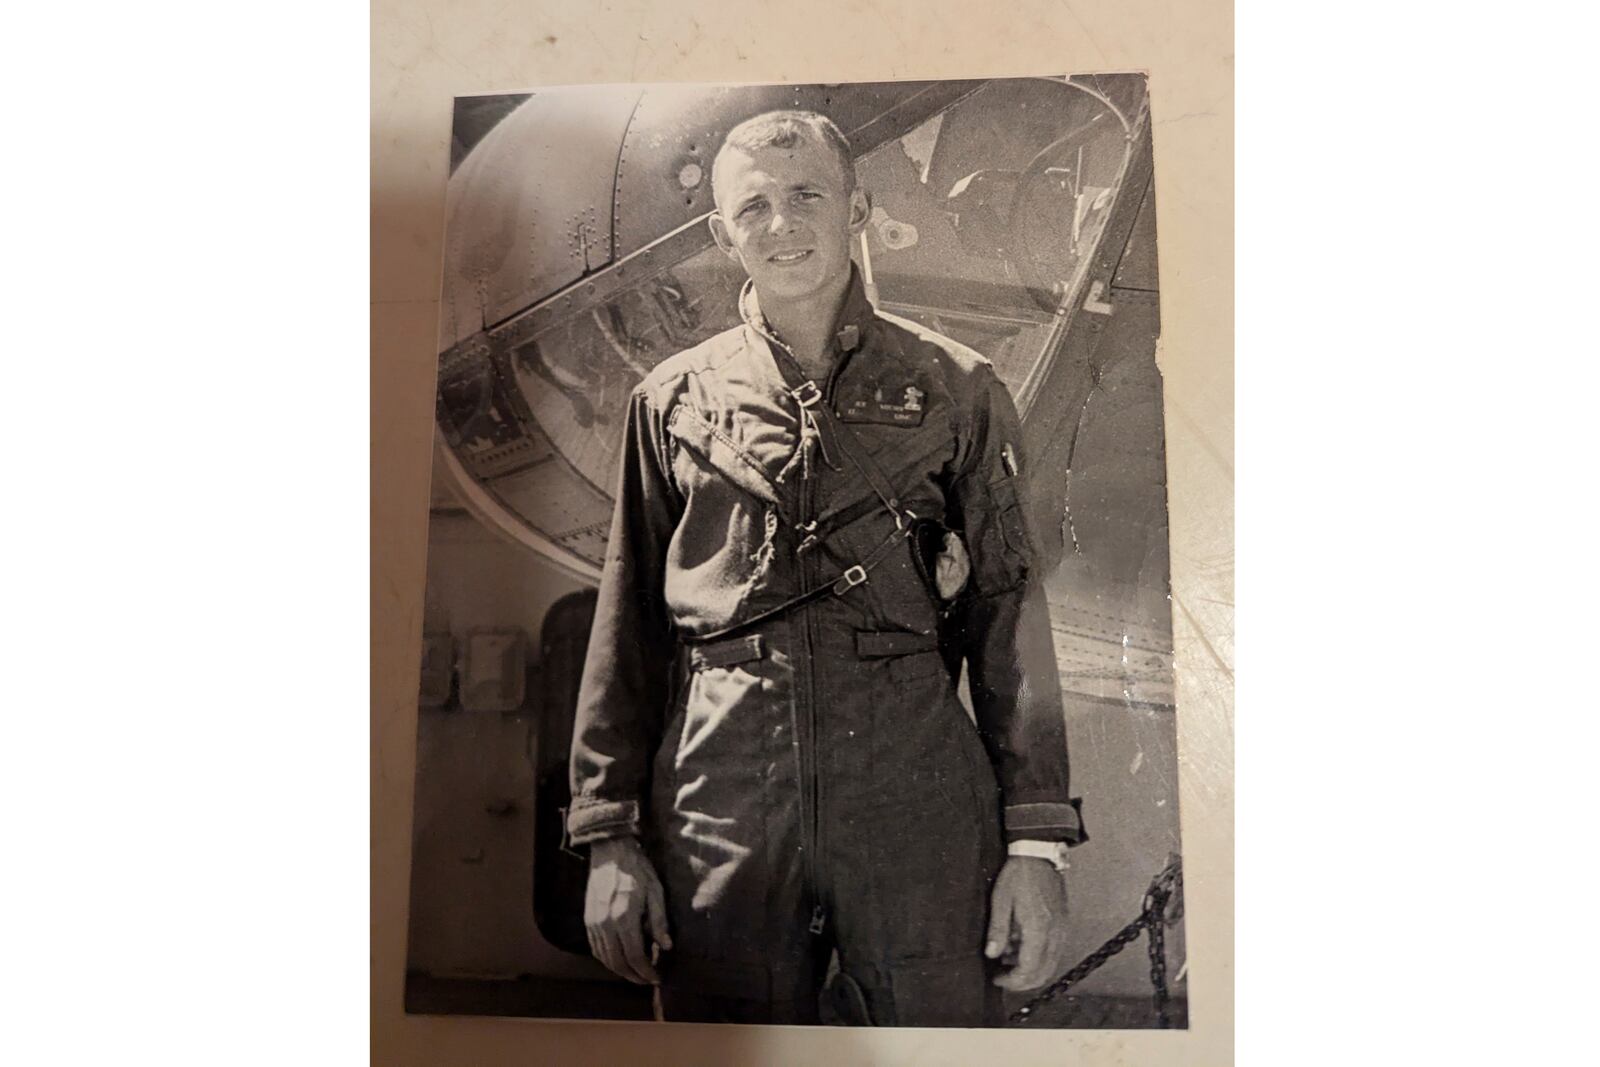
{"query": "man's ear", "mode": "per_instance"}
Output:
(719, 234)
(860, 210)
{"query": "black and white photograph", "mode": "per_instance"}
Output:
(798, 640)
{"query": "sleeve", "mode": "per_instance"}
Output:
(624, 690)
(1004, 627)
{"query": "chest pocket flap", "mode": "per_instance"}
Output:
(721, 453)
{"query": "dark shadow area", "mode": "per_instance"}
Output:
(542, 997)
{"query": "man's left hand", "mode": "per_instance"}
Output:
(1028, 910)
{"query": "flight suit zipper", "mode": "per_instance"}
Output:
(810, 778)
(811, 822)
(813, 819)
(810, 568)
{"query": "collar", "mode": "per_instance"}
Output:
(850, 328)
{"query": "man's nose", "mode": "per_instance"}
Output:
(782, 223)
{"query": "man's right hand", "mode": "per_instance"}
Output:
(624, 893)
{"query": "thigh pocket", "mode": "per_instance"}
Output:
(916, 717)
(723, 707)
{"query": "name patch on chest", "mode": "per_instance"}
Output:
(890, 402)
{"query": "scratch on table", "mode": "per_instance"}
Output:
(1204, 640)
(1186, 115)
(1087, 35)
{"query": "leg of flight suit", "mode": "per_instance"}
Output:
(914, 856)
(725, 838)
(719, 992)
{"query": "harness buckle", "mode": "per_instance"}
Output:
(806, 394)
(850, 579)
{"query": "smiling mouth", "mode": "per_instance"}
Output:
(789, 257)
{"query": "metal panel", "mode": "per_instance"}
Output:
(565, 508)
(494, 669)
(472, 836)
(529, 209)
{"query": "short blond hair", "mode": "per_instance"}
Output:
(785, 129)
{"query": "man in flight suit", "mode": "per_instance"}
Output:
(770, 760)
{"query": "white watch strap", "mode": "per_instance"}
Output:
(1053, 852)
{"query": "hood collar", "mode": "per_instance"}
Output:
(855, 314)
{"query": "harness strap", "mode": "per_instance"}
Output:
(842, 438)
(818, 529)
(852, 448)
(816, 417)
(839, 586)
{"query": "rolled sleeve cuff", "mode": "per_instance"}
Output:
(591, 820)
(1046, 822)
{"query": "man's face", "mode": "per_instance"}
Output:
(783, 214)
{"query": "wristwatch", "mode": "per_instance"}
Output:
(1052, 852)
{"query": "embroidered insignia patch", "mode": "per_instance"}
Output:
(890, 403)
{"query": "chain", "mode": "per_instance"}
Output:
(1154, 912)
(1158, 972)
(1091, 963)
(1152, 917)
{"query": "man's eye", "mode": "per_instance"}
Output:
(749, 210)
(806, 194)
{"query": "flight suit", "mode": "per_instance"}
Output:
(812, 781)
